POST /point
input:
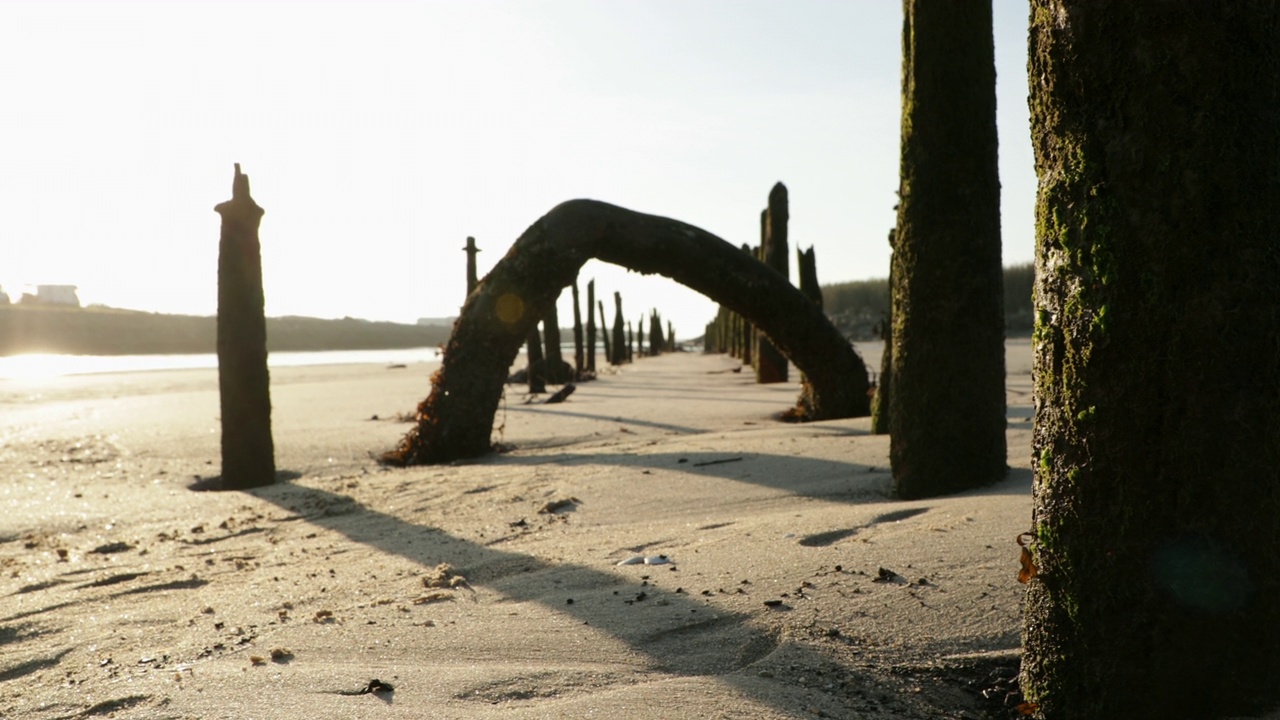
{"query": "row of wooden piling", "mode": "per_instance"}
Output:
(622, 344)
(247, 447)
(732, 334)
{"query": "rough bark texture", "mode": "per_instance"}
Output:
(947, 417)
(1156, 128)
(456, 419)
(248, 452)
(771, 365)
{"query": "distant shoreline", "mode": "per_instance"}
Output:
(109, 331)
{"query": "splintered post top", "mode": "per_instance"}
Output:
(240, 186)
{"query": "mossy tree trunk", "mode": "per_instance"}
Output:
(456, 419)
(244, 384)
(947, 406)
(1156, 501)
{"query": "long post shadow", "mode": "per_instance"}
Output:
(731, 640)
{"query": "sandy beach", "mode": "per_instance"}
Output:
(782, 580)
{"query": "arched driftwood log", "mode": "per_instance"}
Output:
(456, 419)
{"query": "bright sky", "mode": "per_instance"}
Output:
(379, 134)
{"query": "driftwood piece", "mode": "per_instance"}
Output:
(456, 419)
(560, 395)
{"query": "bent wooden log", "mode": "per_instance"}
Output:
(456, 419)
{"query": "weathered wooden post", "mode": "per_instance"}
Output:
(591, 327)
(656, 342)
(248, 452)
(808, 267)
(771, 365)
(604, 334)
(631, 342)
(746, 331)
(619, 331)
(578, 356)
(882, 400)
(537, 363)
(471, 251)
(555, 374)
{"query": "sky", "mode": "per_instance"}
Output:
(379, 134)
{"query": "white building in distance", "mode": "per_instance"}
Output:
(53, 295)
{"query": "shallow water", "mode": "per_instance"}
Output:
(33, 366)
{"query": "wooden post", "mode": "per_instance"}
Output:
(772, 365)
(640, 339)
(537, 363)
(619, 331)
(555, 374)
(604, 335)
(657, 343)
(808, 267)
(746, 330)
(578, 356)
(882, 400)
(631, 342)
(591, 327)
(248, 452)
(471, 251)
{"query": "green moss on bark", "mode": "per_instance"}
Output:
(946, 393)
(1157, 370)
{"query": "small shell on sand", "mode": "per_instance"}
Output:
(647, 560)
